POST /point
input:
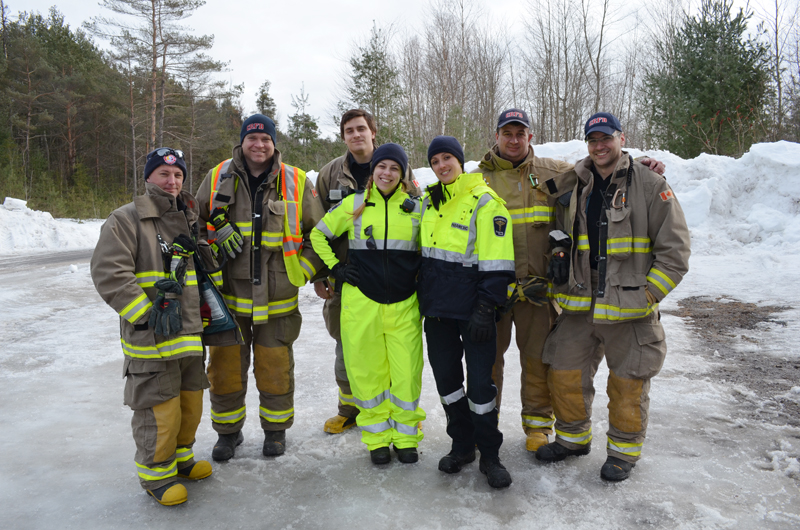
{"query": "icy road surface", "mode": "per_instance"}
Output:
(711, 459)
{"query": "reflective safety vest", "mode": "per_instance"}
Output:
(292, 184)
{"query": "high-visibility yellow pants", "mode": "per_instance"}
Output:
(383, 355)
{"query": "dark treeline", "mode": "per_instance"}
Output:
(76, 122)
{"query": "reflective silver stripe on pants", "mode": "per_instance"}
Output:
(374, 402)
(405, 405)
(484, 408)
(452, 398)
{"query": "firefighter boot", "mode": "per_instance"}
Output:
(274, 443)
(169, 494)
(616, 470)
(197, 471)
(407, 455)
(555, 452)
(535, 440)
(338, 424)
(226, 445)
(452, 462)
(380, 456)
(495, 472)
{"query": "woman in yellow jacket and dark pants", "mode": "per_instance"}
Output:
(381, 329)
(467, 264)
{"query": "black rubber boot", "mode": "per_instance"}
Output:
(555, 452)
(408, 455)
(274, 443)
(495, 472)
(380, 456)
(226, 445)
(616, 470)
(452, 462)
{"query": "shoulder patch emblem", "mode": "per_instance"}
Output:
(500, 224)
(416, 183)
(667, 195)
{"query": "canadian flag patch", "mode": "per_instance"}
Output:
(314, 192)
(667, 195)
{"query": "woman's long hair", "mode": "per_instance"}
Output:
(368, 191)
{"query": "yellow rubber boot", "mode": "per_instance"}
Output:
(170, 495)
(338, 424)
(197, 471)
(535, 440)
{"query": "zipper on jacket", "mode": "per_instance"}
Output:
(385, 249)
(255, 238)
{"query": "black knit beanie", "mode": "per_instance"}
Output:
(446, 144)
(390, 152)
(168, 158)
(258, 123)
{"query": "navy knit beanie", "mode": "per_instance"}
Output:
(164, 156)
(258, 123)
(446, 144)
(389, 152)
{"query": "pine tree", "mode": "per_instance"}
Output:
(264, 102)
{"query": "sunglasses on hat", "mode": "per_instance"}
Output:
(164, 151)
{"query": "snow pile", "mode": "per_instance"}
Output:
(729, 204)
(24, 230)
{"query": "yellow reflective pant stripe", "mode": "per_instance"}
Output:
(578, 439)
(228, 417)
(184, 454)
(133, 311)
(538, 422)
(157, 473)
(625, 448)
(275, 416)
(346, 399)
(169, 348)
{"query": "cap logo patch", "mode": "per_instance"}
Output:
(597, 120)
(170, 159)
(500, 224)
(255, 127)
(514, 114)
(667, 195)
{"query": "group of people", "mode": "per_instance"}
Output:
(576, 258)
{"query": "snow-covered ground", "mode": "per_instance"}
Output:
(713, 458)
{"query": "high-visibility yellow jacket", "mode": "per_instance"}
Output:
(531, 210)
(383, 242)
(257, 283)
(644, 243)
(467, 248)
(127, 262)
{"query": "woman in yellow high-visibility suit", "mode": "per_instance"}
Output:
(381, 329)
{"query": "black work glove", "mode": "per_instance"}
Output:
(481, 323)
(228, 236)
(558, 268)
(345, 272)
(182, 249)
(165, 317)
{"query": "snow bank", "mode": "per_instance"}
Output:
(730, 204)
(24, 230)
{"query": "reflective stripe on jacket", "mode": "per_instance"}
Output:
(467, 249)
(530, 209)
(257, 282)
(646, 246)
(383, 242)
(127, 262)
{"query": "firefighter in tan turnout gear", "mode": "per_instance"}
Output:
(143, 268)
(513, 171)
(620, 246)
(339, 178)
(259, 213)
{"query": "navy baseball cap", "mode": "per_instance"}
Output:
(513, 116)
(604, 122)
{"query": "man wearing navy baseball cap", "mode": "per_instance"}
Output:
(513, 170)
(632, 250)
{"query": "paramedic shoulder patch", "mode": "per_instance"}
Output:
(500, 224)
(459, 226)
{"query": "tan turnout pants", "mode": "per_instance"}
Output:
(167, 402)
(331, 313)
(273, 368)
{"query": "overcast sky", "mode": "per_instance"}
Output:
(292, 42)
